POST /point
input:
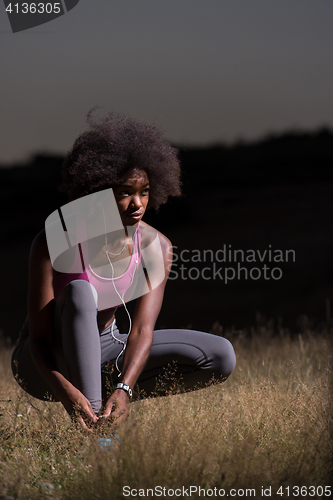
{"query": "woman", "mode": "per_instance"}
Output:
(70, 335)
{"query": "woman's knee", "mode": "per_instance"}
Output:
(224, 358)
(80, 295)
(27, 375)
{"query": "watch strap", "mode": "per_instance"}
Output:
(124, 387)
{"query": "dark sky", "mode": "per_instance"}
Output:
(203, 70)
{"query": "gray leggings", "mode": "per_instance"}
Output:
(83, 353)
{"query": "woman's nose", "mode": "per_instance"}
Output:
(136, 202)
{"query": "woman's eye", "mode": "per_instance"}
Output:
(145, 191)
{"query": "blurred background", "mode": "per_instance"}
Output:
(242, 89)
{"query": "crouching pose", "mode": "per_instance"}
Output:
(94, 255)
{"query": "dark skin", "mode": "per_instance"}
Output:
(132, 199)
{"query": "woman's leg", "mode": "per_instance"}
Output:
(76, 343)
(77, 339)
(25, 370)
(197, 357)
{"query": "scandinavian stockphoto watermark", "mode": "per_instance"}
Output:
(24, 14)
(87, 240)
(228, 263)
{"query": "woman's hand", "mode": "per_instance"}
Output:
(77, 406)
(116, 406)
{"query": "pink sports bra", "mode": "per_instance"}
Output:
(108, 289)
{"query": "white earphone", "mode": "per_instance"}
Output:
(121, 297)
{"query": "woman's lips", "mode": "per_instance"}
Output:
(134, 215)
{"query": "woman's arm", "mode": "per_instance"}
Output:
(139, 342)
(40, 312)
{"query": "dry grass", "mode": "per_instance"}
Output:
(270, 424)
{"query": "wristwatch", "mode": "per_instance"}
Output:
(124, 387)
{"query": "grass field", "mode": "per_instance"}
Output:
(268, 425)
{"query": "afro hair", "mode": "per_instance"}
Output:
(101, 156)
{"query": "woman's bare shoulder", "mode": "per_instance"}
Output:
(40, 238)
(39, 245)
(149, 234)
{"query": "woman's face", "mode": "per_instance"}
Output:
(132, 196)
